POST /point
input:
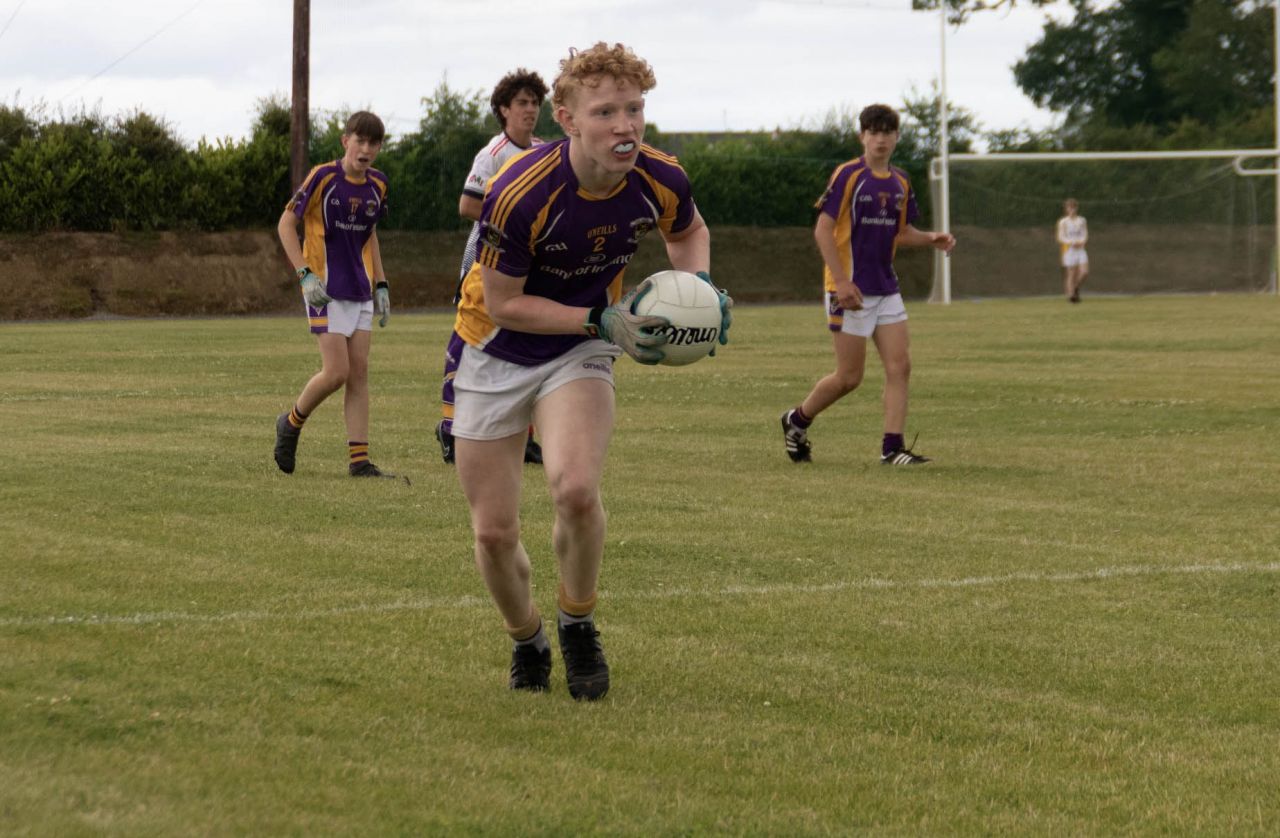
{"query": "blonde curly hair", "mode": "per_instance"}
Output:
(584, 67)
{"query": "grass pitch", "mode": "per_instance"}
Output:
(1069, 623)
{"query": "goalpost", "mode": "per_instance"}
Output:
(1230, 231)
(1159, 221)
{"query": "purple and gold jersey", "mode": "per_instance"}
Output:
(869, 210)
(338, 217)
(571, 247)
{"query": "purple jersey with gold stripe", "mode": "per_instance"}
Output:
(869, 210)
(338, 216)
(571, 246)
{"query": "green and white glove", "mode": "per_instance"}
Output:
(726, 309)
(382, 302)
(637, 335)
(313, 289)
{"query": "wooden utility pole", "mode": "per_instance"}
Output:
(300, 122)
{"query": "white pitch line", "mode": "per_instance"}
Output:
(728, 591)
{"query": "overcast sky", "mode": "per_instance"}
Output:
(721, 64)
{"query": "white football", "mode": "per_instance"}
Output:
(692, 306)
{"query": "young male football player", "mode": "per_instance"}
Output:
(339, 269)
(538, 328)
(516, 102)
(1073, 235)
(866, 212)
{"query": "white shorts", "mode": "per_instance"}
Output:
(494, 399)
(875, 312)
(1074, 256)
(341, 317)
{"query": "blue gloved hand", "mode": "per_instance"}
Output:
(726, 306)
(382, 302)
(313, 290)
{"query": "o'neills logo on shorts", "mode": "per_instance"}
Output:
(683, 336)
(598, 366)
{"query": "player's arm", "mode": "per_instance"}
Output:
(469, 206)
(511, 308)
(381, 289)
(690, 249)
(824, 235)
(482, 169)
(1084, 233)
(375, 253)
(924, 238)
(313, 290)
(287, 229)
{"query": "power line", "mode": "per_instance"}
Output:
(139, 46)
(11, 17)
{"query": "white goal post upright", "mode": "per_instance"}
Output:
(944, 155)
(940, 168)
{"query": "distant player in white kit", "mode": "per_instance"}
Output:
(1073, 234)
(516, 102)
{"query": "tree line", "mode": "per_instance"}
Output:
(1137, 74)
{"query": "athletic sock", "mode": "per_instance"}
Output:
(359, 453)
(297, 417)
(572, 611)
(567, 619)
(800, 420)
(891, 443)
(537, 640)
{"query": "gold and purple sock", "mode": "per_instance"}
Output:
(297, 417)
(359, 452)
(800, 420)
(892, 443)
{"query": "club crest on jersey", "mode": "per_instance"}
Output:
(493, 237)
(640, 227)
(884, 202)
(371, 208)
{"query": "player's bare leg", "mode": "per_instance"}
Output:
(355, 403)
(355, 407)
(334, 368)
(851, 363)
(332, 375)
(1081, 271)
(491, 472)
(893, 343)
(576, 421)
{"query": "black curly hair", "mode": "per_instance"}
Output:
(510, 86)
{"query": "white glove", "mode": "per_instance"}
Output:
(382, 302)
(313, 289)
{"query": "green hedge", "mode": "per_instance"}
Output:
(88, 173)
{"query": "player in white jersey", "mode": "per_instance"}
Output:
(516, 101)
(1073, 234)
